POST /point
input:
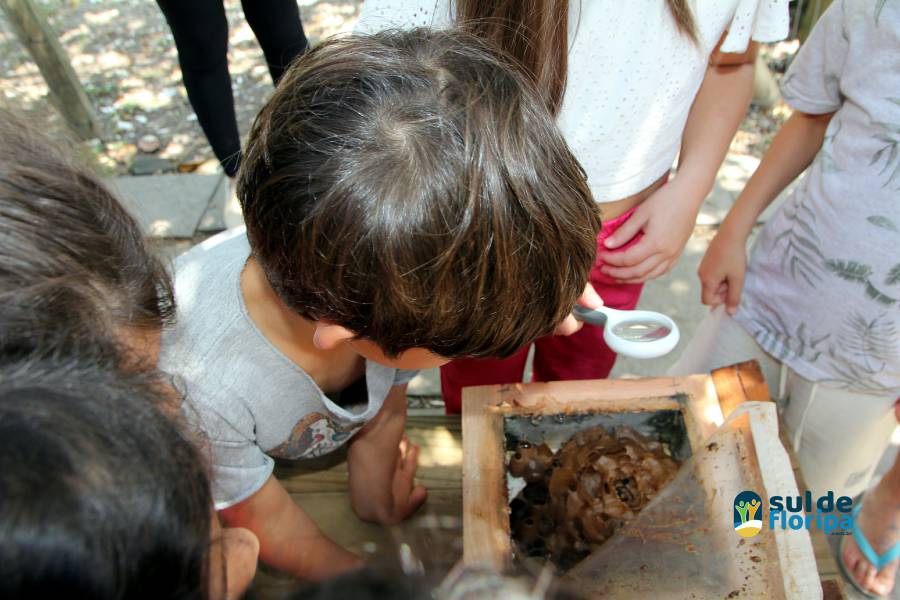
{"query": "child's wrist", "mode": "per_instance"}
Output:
(695, 182)
(734, 231)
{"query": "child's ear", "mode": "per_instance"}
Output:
(328, 335)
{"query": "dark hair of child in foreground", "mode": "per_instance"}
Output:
(102, 496)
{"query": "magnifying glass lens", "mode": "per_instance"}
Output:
(641, 331)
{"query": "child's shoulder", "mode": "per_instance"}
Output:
(207, 277)
(208, 301)
(209, 256)
(857, 21)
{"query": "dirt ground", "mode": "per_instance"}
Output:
(125, 57)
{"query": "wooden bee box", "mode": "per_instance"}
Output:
(485, 505)
(491, 413)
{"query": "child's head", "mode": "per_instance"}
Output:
(101, 495)
(411, 188)
(71, 258)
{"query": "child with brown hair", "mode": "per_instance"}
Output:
(82, 305)
(408, 200)
(72, 260)
(632, 85)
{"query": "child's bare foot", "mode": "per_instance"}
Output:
(879, 522)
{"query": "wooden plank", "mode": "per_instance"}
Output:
(702, 413)
(322, 491)
(610, 394)
(745, 382)
(66, 93)
(486, 536)
(833, 589)
(695, 394)
(825, 562)
(740, 383)
(795, 550)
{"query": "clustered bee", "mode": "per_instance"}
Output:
(576, 498)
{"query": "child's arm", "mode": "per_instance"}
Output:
(288, 539)
(383, 465)
(793, 149)
(668, 216)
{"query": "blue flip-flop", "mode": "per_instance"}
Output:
(876, 560)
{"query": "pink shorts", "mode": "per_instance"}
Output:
(582, 355)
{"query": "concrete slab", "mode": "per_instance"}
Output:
(168, 206)
(213, 219)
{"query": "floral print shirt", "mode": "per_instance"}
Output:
(823, 285)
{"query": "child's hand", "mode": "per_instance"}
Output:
(407, 495)
(722, 271)
(382, 465)
(588, 299)
(667, 220)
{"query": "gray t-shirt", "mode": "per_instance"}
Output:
(823, 282)
(249, 399)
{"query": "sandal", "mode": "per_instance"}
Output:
(876, 560)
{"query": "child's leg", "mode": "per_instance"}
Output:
(276, 25)
(584, 354)
(839, 436)
(465, 372)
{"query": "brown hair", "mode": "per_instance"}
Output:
(71, 258)
(411, 187)
(535, 34)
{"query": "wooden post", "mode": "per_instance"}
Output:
(66, 93)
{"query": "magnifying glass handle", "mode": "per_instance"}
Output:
(589, 315)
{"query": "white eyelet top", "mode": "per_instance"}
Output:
(632, 75)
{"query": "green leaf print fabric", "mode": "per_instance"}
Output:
(823, 283)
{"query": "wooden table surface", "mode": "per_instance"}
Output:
(321, 489)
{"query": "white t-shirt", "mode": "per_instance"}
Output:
(632, 76)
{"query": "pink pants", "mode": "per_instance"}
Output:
(582, 355)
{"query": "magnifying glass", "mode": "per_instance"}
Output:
(634, 333)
